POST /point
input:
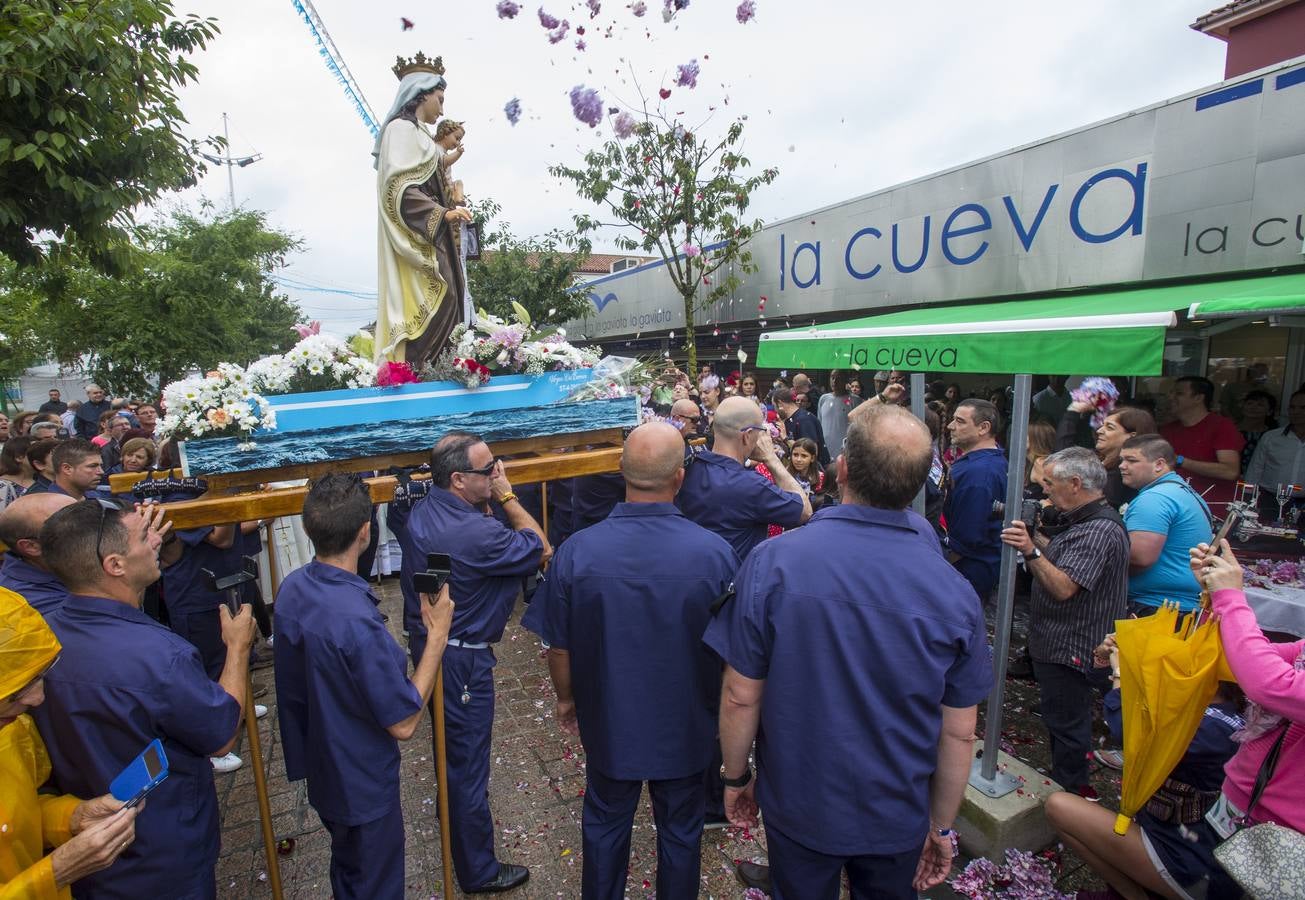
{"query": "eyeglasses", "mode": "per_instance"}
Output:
(27, 687)
(746, 428)
(484, 470)
(105, 507)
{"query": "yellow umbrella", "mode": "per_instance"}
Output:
(1168, 674)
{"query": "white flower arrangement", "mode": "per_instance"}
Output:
(509, 347)
(319, 362)
(222, 403)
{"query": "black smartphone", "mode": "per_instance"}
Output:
(438, 566)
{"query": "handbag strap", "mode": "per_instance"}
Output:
(1266, 769)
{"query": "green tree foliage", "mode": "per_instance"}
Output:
(536, 272)
(676, 192)
(196, 292)
(89, 120)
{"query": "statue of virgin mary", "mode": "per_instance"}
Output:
(421, 282)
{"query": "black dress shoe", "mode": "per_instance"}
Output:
(509, 877)
(755, 876)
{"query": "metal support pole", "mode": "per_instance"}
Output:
(917, 407)
(984, 776)
(231, 178)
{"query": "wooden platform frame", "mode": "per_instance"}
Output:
(243, 497)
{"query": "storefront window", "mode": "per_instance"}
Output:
(1248, 358)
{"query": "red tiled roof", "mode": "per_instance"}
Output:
(1218, 21)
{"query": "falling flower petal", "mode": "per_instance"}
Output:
(746, 12)
(512, 109)
(587, 105)
(639, 9)
(507, 9)
(580, 45)
(559, 33)
(623, 125)
(546, 20)
(594, 7)
(687, 74)
(664, 93)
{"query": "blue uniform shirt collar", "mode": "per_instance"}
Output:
(856, 512)
(103, 606)
(448, 498)
(645, 509)
(320, 571)
(30, 572)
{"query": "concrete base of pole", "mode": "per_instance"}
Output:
(989, 826)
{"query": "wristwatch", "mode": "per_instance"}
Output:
(1035, 553)
(740, 782)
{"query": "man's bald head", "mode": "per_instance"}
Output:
(21, 521)
(737, 413)
(652, 460)
(886, 457)
(686, 408)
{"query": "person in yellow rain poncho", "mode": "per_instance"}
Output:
(88, 835)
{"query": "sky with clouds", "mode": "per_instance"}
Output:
(844, 97)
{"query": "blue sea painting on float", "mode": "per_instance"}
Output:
(339, 425)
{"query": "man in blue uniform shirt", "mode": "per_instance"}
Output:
(124, 680)
(858, 682)
(489, 559)
(732, 501)
(23, 570)
(192, 605)
(632, 675)
(728, 499)
(977, 479)
(343, 692)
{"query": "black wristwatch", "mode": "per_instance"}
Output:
(740, 782)
(1035, 553)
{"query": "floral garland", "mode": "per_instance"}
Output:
(223, 403)
(495, 346)
(319, 362)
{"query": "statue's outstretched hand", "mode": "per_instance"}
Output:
(456, 214)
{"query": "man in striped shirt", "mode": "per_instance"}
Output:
(1079, 563)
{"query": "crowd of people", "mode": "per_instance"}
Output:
(852, 690)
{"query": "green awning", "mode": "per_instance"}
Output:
(1119, 332)
(1257, 297)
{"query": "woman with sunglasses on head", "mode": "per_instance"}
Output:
(86, 835)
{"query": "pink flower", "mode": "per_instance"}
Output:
(393, 374)
(691, 250)
(623, 125)
(308, 330)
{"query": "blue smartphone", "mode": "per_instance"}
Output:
(142, 775)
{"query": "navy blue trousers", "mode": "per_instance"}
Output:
(982, 576)
(800, 873)
(204, 630)
(678, 809)
(467, 730)
(367, 859)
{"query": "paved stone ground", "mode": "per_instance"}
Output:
(536, 784)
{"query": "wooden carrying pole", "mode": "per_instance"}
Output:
(260, 788)
(441, 778)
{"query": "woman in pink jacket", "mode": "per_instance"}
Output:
(1273, 679)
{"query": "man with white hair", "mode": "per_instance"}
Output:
(1079, 562)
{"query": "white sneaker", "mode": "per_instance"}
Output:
(259, 710)
(228, 763)
(1113, 759)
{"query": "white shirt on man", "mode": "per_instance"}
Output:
(1277, 459)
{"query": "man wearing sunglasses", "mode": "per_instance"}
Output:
(489, 559)
(124, 680)
(24, 571)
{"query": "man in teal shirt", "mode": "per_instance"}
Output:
(1165, 520)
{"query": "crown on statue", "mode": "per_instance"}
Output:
(419, 63)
